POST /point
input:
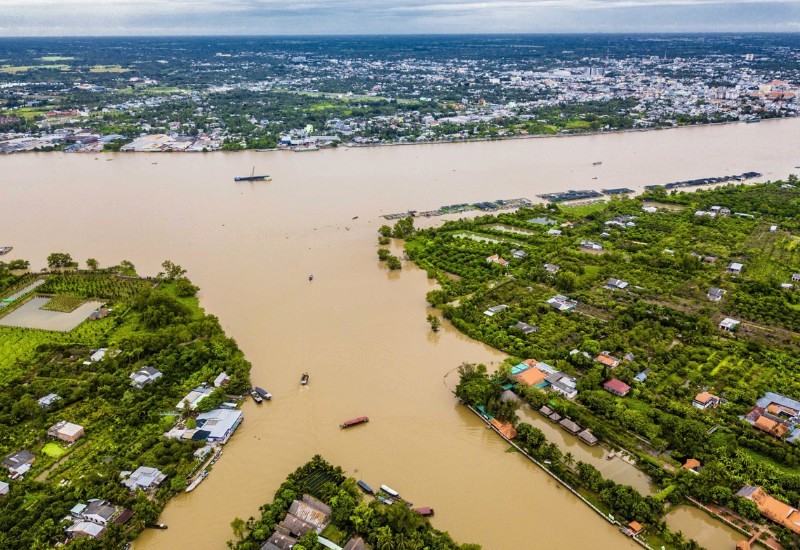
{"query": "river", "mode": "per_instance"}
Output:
(359, 330)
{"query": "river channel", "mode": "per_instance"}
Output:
(358, 330)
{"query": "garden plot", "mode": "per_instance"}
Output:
(31, 315)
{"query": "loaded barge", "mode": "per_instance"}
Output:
(354, 422)
(252, 177)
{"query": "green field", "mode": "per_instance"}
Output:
(63, 302)
(54, 450)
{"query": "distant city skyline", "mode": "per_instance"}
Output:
(332, 17)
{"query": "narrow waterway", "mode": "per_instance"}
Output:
(359, 330)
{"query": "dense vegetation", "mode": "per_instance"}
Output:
(152, 325)
(663, 319)
(381, 526)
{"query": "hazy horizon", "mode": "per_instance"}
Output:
(105, 18)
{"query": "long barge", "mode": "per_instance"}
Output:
(366, 488)
(252, 178)
(571, 195)
(354, 422)
(704, 181)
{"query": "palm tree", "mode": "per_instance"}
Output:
(569, 460)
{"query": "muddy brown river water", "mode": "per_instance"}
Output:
(358, 330)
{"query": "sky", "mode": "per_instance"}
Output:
(329, 17)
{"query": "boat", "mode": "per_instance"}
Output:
(5, 249)
(264, 394)
(386, 501)
(304, 379)
(753, 119)
(389, 491)
(366, 488)
(252, 177)
(597, 163)
(355, 217)
(310, 277)
(354, 422)
(306, 149)
(425, 511)
(255, 396)
(197, 481)
(159, 526)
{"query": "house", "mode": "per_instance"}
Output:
(222, 380)
(202, 452)
(356, 543)
(101, 313)
(616, 284)
(634, 528)
(629, 357)
(642, 376)
(704, 400)
(563, 384)
(772, 508)
(144, 478)
(85, 529)
(100, 512)
(519, 254)
(693, 465)
(313, 511)
(715, 294)
(530, 377)
(66, 431)
(496, 259)
(295, 526)
(491, 311)
(19, 463)
(545, 410)
(217, 426)
(735, 268)
(588, 437)
(570, 426)
(591, 245)
(98, 355)
(551, 268)
(4, 488)
(48, 400)
(193, 398)
(554, 232)
(617, 387)
(771, 426)
(608, 360)
(562, 303)
(144, 376)
(728, 324)
(503, 428)
(526, 328)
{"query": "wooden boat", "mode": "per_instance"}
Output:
(386, 501)
(366, 488)
(304, 379)
(310, 277)
(597, 163)
(424, 511)
(389, 491)
(264, 394)
(199, 479)
(354, 422)
(255, 396)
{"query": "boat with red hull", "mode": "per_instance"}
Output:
(354, 422)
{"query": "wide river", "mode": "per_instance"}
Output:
(357, 329)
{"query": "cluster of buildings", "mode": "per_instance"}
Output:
(776, 415)
(539, 374)
(306, 515)
(92, 518)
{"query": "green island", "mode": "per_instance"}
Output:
(665, 328)
(92, 365)
(318, 507)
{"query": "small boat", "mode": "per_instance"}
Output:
(753, 119)
(304, 379)
(355, 217)
(597, 163)
(386, 501)
(389, 491)
(425, 511)
(199, 479)
(264, 394)
(255, 396)
(354, 422)
(305, 149)
(310, 277)
(366, 488)
(252, 177)
(159, 526)
(594, 178)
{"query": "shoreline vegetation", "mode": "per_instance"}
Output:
(341, 518)
(85, 411)
(619, 324)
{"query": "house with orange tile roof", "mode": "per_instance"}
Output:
(635, 528)
(530, 377)
(772, 508)
(607, 359)
(704, 400)
(693, 465)
(496, 259)
(505, 428)
(770, 426)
